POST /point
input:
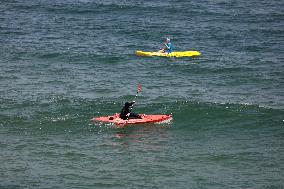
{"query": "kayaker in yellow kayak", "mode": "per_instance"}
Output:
(168, 46)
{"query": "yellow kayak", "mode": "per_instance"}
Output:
(173, 54)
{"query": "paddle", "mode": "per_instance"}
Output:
(139, 89)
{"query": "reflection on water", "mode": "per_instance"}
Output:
(146, 137)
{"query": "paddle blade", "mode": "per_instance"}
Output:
(139, 88)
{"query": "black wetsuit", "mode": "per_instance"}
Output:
(126, 110)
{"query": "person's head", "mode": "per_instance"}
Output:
(168, 39)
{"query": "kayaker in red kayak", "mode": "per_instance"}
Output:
(127, 117)
(126, 112)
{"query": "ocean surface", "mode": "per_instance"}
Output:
(65, 62)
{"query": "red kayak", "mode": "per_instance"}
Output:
(145, 119)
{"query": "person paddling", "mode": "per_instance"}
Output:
(126, 112)
(168, 46)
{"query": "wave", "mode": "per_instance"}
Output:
(66, 115)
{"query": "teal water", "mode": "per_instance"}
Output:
(64, 62)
